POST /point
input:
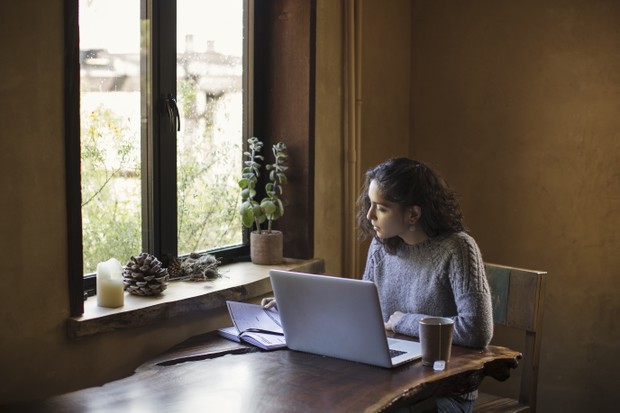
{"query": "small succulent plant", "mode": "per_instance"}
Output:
(270, 208)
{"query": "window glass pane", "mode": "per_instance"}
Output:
(110, 129)
(209, 145)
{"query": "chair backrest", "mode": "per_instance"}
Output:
(517, 296)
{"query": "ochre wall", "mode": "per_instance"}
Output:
(518, 104)
(385, 76)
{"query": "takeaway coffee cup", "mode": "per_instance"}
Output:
(436, 339)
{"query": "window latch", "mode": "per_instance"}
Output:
(173, 113)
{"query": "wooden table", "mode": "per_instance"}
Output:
(210, 374)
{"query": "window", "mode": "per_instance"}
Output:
(161, 126)
(180, 117)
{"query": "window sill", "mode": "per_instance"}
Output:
(239, 282)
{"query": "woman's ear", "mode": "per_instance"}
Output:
(415, 212)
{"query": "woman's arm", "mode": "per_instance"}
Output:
(473, 322)
(473, 325)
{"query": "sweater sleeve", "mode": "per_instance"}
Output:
(473, 321)
(473, 324)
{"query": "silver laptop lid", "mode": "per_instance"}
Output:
(331, 316)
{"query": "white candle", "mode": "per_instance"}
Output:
(110, 291)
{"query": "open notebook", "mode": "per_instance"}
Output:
(337, 317)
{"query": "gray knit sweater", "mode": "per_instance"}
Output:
(442, 276)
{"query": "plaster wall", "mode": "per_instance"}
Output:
(516, 103)
(385, 77)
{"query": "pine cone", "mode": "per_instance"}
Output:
(199, 267)
(175, 269)
(144, 275)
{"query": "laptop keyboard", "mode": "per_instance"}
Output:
(395, 353)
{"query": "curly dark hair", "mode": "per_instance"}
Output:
(408, 182)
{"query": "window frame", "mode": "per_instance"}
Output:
(159, 138)
(284, 87)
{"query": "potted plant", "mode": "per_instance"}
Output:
(265, 245)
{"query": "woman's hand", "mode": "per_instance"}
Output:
(393, 320)
(268, 303)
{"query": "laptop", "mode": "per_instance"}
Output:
(337, 317)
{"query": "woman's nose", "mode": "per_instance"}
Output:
(370, 214)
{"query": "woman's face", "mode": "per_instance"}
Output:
(387, 218)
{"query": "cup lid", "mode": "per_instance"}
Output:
(436, 321)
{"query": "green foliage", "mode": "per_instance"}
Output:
(110, 197)
(207, 166)
(272, 204)
(207, 190)
(207, 200)
(250, 210)
(270, 208)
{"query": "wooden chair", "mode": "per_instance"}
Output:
(517, 296)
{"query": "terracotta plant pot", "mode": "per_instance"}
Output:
(266, 248)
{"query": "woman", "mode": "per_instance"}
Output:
(421, 258)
